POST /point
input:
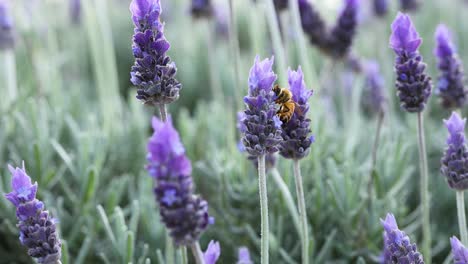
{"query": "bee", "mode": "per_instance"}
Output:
(287, 105)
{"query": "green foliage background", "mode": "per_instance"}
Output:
(82, 135)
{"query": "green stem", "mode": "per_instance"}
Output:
(302, 212)
(169, 249)
(163, 112)
(215, 83)
(234, 42)
(462, 216)
(276, 39)
(183, 253)
(375, 147)
(10, 66)
(424, 190)
(197, 253)
(262, 187)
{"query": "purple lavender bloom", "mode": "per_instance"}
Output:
(212, 253)
(455, 160)
(459, 252)
(153, 72)
(413, 85)
(201, 8)
(313, 24)
(38, 231)
(221, 13)
(75, 11)
(380, 7)
(7, 37)
(342, 34)
(296, 133)
(450, 85)
(244, 256)
(183, 213)
(263, 127)
(374, 100)
(409, 5)
(397, 245)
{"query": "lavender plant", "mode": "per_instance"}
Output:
(380, 7)
(459, 251)
(244, 256)
(38, 230)
(75, 11)
(312, 24)
(414, 89)
(212, 253)
(7, 39)
(342, 33)
(201, 8)
(451, 82)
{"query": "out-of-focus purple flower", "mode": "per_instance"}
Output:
(153, 72)
(455, 160)
(244, 256)
(201, 8)
(7, 35)
(450, 84)
(263, 127)
(183, 213)
(313, 25)
(75, 11)
(212, 253)
(221, 12)
(296, 133)
(409, 5)
(380, 7)
(354, 63)
(459, 252)
(342, 34)
(398, 247)
(373, 98)
(37, 228)
(413, 85)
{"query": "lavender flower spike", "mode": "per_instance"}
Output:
(212, 253)
(380, 7)
(244, 256)
(460, 253)
(342, 34)
(7, 38)
(374, 100)
(413, 85)
(313, 24)
(455, 160)
(153, 72)
(296, 139)
(37, 228)
(450, 85)
(398, 247)
(201, 8)
(183, 213)
(262, 126)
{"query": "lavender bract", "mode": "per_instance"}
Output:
(183, 213)
(38, 231)
(342, 34)
(450, 85)
(244, 256)
(7, 38)
(397, 245)
(413, 85)
(313, 24)
(262, 133)
(459, 252)
(380, 7)
(373, 98)
(455, 160)
(212, 253)
(201, 8)
(153, 72)
(296, 139)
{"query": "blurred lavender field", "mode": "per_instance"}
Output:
(68, 110)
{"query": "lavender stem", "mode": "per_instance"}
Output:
(263, 209)
(183, 253)
(10, 63)
(163, 112)
(462, 216)
(169, 254)
(424, 190)
(375, 147)
(197, 253)
(302, 212)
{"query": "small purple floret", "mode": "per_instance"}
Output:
(459, 251)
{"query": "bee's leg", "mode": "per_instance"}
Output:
(284, 109)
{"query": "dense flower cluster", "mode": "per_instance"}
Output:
(397, 245)
(296, 133)
(153, 72)
(7, 38)
(38, 230)
(183, 213)
(459, 252)
(455, 159)
(373, 98)
(201, 8)
(262, 127)
(380, 7)
(412, 83)
(313, 24)
(450, 86)
(342, 34)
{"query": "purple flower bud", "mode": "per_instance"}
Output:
(201, 8)
(263, 127)
(413, 85)
(244, 256)
(455, 160)
(459, 252)
(380, 7)
(37, 228)
(75, 11)
(409, 5)
(313, 24)
(373, 98)
(296, 139)
(397, 245)
(342, 34)
(153, 72)
(212, 253)
(183, 213)
(7, 37)
(450, 85)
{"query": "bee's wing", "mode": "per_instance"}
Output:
(298, 109)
